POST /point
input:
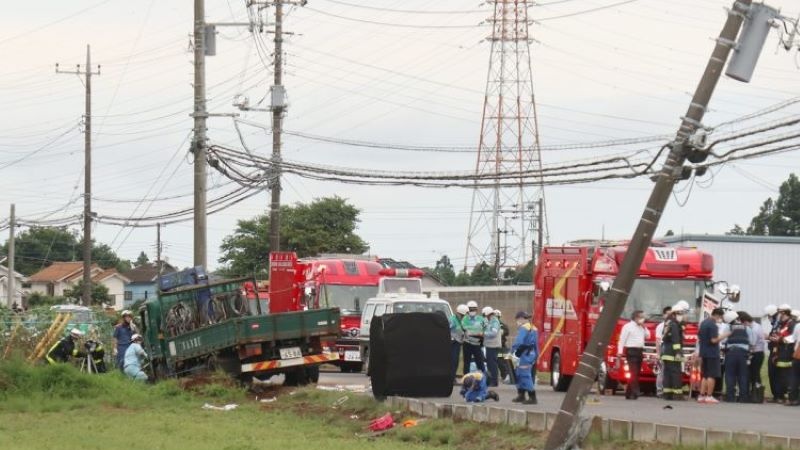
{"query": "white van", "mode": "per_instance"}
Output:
(397, 296)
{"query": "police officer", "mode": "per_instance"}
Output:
(457, 336)
(784, 349)
(526, 348)
(474, 327)
(492, 342)
(65, 348)
(474, 388)
(672, 352)
(737, 353)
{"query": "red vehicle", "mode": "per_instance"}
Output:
(571, 284)
(343, 281)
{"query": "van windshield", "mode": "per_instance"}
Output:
(423, 307)
(348, 298)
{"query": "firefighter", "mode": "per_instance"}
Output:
(134, 358)
(770, 329)
(96, 354)
(474, 388)
(672, 352)
(526, 348)
(659, 333)
(736, 355)
(456, 336)
(503, 365)
(474, 327)
(65, 348)
(492, 343)
(794, 387)
(122, 337)
(781, 358)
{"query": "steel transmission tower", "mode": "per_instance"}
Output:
(508, 224)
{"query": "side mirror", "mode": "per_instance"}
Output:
(734, 293)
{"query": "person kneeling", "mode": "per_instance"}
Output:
(134, 358)
(475, 389)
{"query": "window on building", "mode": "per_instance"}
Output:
(128, 296)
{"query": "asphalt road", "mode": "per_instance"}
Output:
(766, 418)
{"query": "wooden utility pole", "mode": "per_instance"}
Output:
(567, 427)
(87, 189)
(10, 265)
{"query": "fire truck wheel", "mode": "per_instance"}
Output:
(559, 382)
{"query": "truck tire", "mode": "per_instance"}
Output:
(559, 382)
(351, 367)
(297, 377)
(312, 373)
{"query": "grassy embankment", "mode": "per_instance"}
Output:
(59, 407)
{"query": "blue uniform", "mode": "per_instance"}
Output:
(132, 360)
(456, 339)
(526, 348)
(122, 333)
(475, 388)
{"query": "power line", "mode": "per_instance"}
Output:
(406, 11)
(389, 24)
(585, 11)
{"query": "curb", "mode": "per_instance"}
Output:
(605, 428)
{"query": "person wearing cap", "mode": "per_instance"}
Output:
(659, 334)
(503, 362)
(65, 348)
(708, 338)
(122, 337)
(134, 358)
(492, 342)
(456, 336)
(526, 348)
(770, 321)
(474, 388)
(631, 347)
(672, 353)
(782, 356)
(757, 348)
(737, 352)
(474, 326)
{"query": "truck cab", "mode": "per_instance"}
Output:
(400, 291)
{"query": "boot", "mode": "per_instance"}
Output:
(520, 396)
(531, 398)
(493, 395)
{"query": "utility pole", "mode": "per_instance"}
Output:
(10, 265)
(199, 136)
(278, 107)
(568, 427)
(87, 161)
(159, 265)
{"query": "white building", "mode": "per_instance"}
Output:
(54, 279)
(764, 267)
(19, 279)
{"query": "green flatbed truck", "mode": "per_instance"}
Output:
(211, 326)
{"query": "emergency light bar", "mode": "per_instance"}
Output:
(404, 273)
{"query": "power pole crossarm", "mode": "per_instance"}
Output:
(566, 429)
(87, 72)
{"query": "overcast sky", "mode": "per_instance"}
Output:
(363, 70)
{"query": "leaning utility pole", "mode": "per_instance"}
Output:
(10, 265)
(567, 427)
(199, 134)
(87, 189)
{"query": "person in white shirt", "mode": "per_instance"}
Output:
(758, 347)
(659, 334)
(794, 384)
(631, 345)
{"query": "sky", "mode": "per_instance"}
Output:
(402, 72)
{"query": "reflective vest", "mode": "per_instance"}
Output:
(672, 341)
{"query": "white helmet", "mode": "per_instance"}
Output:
(681, 306)
(729, 316)
(796, 314)
(770, 310)
(498, 313)
(487, 311)
(472, 304)
(785, 307)
(76, 333)
(136, 337)
(462, 309)
(127, 312)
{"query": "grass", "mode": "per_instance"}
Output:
(59, 407)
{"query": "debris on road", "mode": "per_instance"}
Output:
(340, 401)
(355, 388)
(228, 407)
(267, 400)
(382, 423)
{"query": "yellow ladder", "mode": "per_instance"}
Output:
(56, 328)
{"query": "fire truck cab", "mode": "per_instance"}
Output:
(571, 283)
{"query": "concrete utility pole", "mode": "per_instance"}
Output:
(10, 265)
(87, 189)
(159, 265)
(199, 136)
(567, 427)
(278, 107)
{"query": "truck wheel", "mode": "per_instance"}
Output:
(297, 377)
(351, 367)
(312, 373)
(559, 382)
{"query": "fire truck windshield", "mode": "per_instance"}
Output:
(652, 295)
(347, 297)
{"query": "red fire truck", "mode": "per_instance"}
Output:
(570, 290)
(343, 281)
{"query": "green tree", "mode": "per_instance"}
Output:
(445, 271)
(482, 274)
(326, 225)
(462, 279)
(779, 217)
(141, 260)
(99, 292)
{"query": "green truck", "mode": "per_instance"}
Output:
(222, 326)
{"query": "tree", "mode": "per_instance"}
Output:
(462, 279)
(99, 293)
(736, 231)
(326, 225)
(444, 270)
(141, 260)
(780, 217)
(38, 247)
(482, 274)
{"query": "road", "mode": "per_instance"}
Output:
(766, 418)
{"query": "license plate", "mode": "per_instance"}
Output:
(352, 355)
(291, 353)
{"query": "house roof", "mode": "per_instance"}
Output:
(4, 270)
(58, 271)
(108, 273)
(146, 273)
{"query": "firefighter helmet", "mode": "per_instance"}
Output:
(76, 333)
(729, 316)
(498, 313)
(462, 309)
(785, 308)
(487, 311)
(681, 306)
(770, 310)
(472, 304)
(796, 314)
(136, 337)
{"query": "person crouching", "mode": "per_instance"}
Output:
(474, 388)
